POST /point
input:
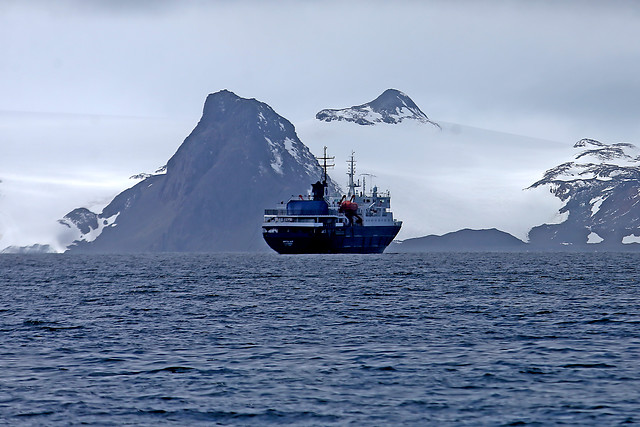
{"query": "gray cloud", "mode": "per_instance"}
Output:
(546, 69)
(554, 70)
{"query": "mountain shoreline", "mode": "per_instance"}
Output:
(242, 157)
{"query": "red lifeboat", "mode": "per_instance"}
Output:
(348, 207)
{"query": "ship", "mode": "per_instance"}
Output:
(358, 222)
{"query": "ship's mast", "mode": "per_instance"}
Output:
(325, 166)
(351, 171)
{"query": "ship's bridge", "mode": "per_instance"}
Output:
(374, 209)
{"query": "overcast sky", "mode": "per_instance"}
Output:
(552, 69)
(93, 91)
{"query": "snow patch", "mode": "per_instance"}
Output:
(276, 163)
(140, 176)
(559, 218)
(631, 238)
(595, 204)
(288, 144)
(311, 169)
(594, 238)
(102, 224)
(162, 170)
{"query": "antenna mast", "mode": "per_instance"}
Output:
(351, 171)
(325, 165)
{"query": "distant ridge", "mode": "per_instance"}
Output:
(391, 107)
(467, 240)
(32, 249)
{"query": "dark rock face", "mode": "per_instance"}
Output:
(82, 218)
(241, 158)
(466, 240)
(391, 107)
(601, 191)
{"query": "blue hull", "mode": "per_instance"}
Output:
(355, 239)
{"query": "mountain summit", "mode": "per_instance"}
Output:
(391, 107)
(240, 158)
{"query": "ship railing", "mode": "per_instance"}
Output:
(295, 218)
(275, 211)
(283, 212)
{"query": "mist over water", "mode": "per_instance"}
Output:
(54, 163)
(242, 339)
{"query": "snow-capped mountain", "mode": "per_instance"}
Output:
(600, 190)
(241, 158)
(391, 107)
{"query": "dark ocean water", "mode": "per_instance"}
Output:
(394, 339)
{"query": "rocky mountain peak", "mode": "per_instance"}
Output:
(233, 128)
(392, 100)
(220, 107)
(601, 191)
(392, 107)
(585, 142)
(241, 158)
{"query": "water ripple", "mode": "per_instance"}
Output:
(237, 339)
